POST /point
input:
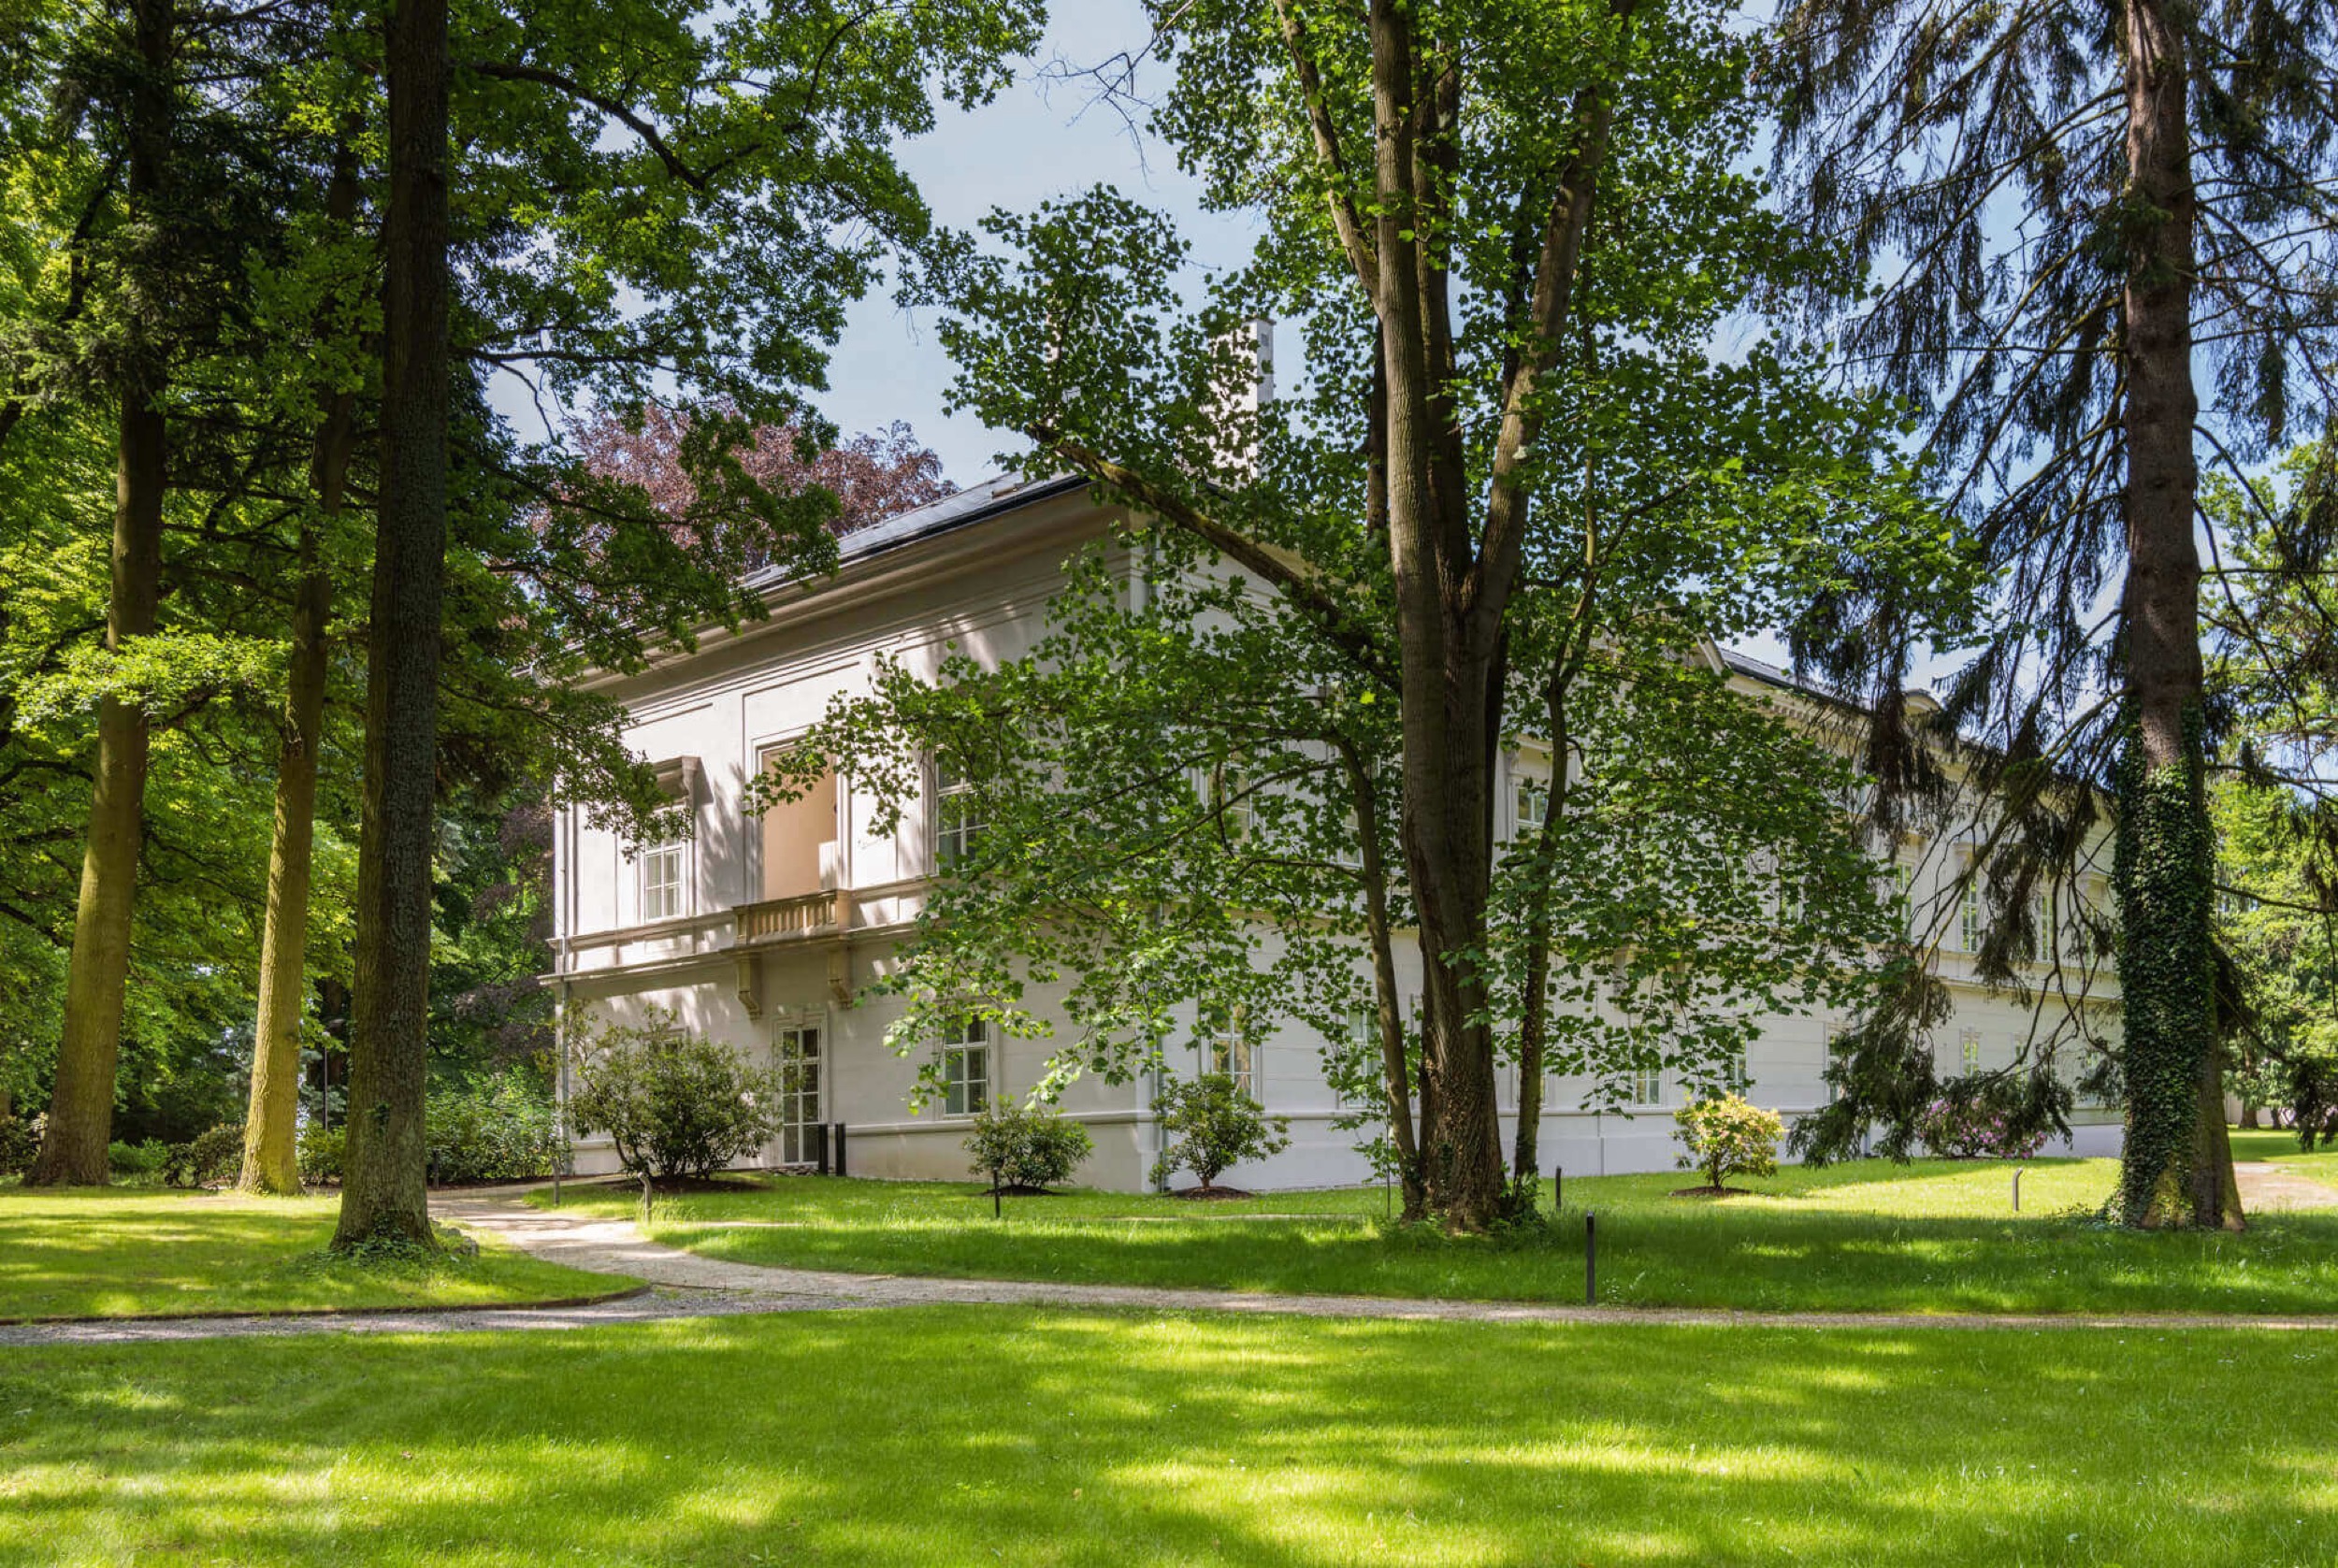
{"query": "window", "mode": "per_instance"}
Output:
(1968, 926)
(1363, 1038)
(796, 1048)
(1534, 803)
(1238, 1059)
(966, 1068)
(1837, 1039)
(1648, 1086)
(1970, 1051)
(663, 887)
(957, 818)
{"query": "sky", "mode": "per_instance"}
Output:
(1040, 138)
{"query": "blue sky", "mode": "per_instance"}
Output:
(1033, 143)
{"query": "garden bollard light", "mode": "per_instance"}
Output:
(1558, 1190)
(1590, 1260)
(2017, 1189)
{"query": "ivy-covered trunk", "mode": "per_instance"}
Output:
(73, 1148)
(384, 1166)
(2177, 1168)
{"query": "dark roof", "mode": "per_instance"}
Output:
(976, 503)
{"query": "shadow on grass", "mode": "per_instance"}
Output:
(976, 1436)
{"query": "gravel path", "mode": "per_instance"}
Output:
(685, 1284)
(2271, 1188)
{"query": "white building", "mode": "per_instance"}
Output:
(762, 933)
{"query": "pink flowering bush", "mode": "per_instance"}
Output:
(1974, 1129)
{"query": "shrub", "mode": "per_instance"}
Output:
(207, 1159)
(491, 1128)
(19, 1142)
(320, 1153)
(1727, 1137)
(675, 1104)
(1018, 1145)
(1976, 1128)
(1215, 1125)
(139, 1161)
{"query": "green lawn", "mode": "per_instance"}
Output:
(1935, 1236)
(985, 1436)
(2274, 1147)
(113, 1252)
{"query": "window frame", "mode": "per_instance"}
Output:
(971, 1047)
(1240, 1054)
(958, 822)
(648, 856)
(790, 1064)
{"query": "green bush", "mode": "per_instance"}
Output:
(139, 1161)
(207, 1159)
(675, 1104)
(1215, 1125)
(1727, 1137)
(1018, 1145)
(489, 1127)
(19, 1141)
(320, 1153)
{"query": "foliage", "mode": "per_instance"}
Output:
(1725, 1137)
(1027, 1145)
(19, 1141)
(320, 1153)
(1977, 1127)
(140, 1161)
(675, 1104)
(210, 1158)
(491, 1127)
(1209, 1124)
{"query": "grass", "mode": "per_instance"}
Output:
(2276, 1148)
(1935, 1236)
(110, 1252)
(949, 1436)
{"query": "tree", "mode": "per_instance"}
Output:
(2080, 212)
(383, 1162)
(1494, 232)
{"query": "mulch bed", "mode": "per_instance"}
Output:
(1017, 1189)
(1212, 1194)
(1715, 1192)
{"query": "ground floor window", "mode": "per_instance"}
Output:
(797, 1055)
(1238, 1059)
(1648, 1086)
(966, 1068)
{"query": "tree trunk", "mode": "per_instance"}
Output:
(2177, 1167)
(81, 1104)
(1388, 1013)
(271, 1156)
(383, 1195)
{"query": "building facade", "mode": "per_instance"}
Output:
(763, 931)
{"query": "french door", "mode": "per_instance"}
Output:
(797, 1050)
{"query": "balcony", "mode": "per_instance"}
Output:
(824, 913)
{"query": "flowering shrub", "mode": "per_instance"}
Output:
(1973, 1128)
(1727, 1137)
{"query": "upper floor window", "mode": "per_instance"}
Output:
(966, 1068)
(957, 823)
(665, 885)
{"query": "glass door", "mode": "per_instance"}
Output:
(798, 1049)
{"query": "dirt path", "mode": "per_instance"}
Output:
(689, 1286)
(2270, 1187)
